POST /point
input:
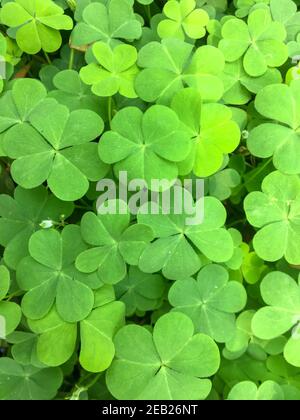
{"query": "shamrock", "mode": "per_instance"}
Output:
(22, 215)
(114, 71)
(55, 147)
(170, 364)
(183, 18)
(222, 183)
(73, 93)
(53, 277)
(275, 211)
(37, 24)
(285, 11)
(280, 137)
(239, 341)
(147, 146)
(282, 295)
(17, 104)
(214, 8)
(210, 302)
(19, 382)
(140, 291)
(245, 7)
(239, 86)
(114, 243)
(253, 267)
(10, 312)
(23, 348)
(96, 335)
(260, 43)
(178, 245)
(248, 391)
(107, 23)
(294, 48)
(169, 65)
(212, 136)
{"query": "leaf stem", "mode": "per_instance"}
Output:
(148, 12)
(237, 222)
(110, 110)
(259, 171)
(14, 294)
(47, 58)
(71, 60)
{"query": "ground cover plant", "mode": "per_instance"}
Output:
(98, 304)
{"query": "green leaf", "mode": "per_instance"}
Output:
(112, 245)
(73, 93)
(248, 391)
(147, 146)
(114, 72)
(183, 19)
(22, 215)
(170, 364)
(17, 104)
(260, 42)
(96, 335)
(97, 332)
(275, 211)
(280, 137)
(178, 248)
(210, 302)
(282, 294)
(37, 24)
(212, 129)
(56, 150)
(239, 86)
(4, 281)
(54, 277)
(170, 64)
(107, 23)
(27, 382)
(140, 291)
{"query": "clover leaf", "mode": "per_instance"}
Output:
(114, 243)
(275, 211)
(70, 91)
(248, 391)
(245, 7)
(214, 8)
(55, 147)
(239, 86)
(37, 24)
(260, 42)
(109, 23)
(183, 18)
(282, 295)
(213, 137)
(147, 146)
(222, 183)
(17, 104)
(22, 215)
(280, 137)
(54, 278)
(10, 312)
(210, 302)
(114, 72)
(169, 364)
(169, 65)
(140, 291)
(96, 336)
(19, 382)
(178, 248)
(285, 11)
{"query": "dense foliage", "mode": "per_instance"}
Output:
(124, 306)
